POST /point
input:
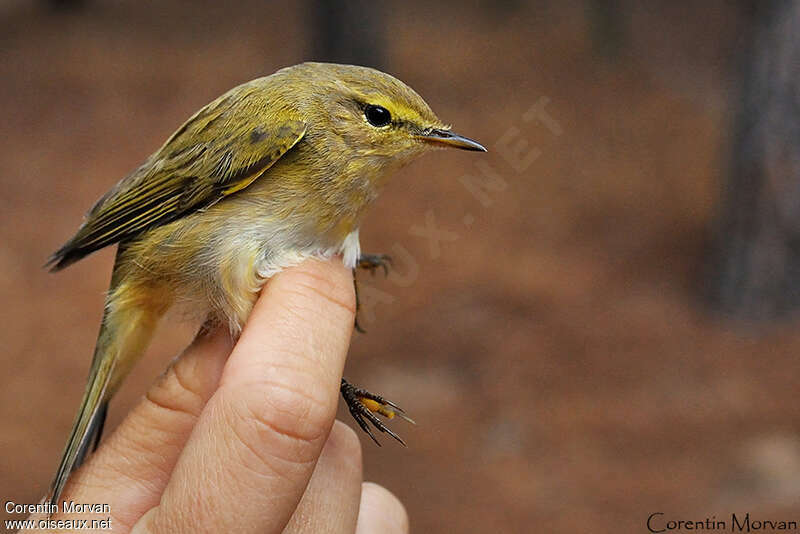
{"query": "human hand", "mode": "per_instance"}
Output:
(242, 438)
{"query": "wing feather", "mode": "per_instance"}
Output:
(222, 149)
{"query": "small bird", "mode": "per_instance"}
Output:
(276, 170)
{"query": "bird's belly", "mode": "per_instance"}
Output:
(245, 260)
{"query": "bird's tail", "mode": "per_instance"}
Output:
(125, 332)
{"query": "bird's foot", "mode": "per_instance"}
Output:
(372, 262)
(364, 405)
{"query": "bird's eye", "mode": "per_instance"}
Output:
(377, 116)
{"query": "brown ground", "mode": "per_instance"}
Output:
(564, 374)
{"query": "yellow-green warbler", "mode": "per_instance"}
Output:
(274, 171)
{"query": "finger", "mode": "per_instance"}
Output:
(380, 511)
(137, 459)
(252, 452)
(330, 503)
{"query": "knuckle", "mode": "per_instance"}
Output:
(177, 391)
(287, 418)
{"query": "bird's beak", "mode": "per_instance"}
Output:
(448, 138)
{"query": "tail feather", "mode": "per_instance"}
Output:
(97, 426)
(124, 335)
(88, 420)
(93, 434)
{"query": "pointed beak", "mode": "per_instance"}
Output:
(448, 138)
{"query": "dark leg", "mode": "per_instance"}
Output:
(370, 262)
(358, 305)
(363, 406)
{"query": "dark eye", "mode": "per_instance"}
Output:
(377, 116)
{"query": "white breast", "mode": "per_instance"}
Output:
(351, 250)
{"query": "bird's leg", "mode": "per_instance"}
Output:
(358, 305)
(370, 262)
(363, 406)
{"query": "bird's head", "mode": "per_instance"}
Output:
(369, 117)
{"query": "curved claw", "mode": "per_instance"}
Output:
(387, 262)
(358, 327)
(364, 426)
(406, 418)
(363, 406)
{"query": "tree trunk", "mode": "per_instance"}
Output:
(755, 267)
(349, 31)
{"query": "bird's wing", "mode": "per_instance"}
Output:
(222, 149)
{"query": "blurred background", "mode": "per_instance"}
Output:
(591, 323)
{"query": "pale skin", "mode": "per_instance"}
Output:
(241, 437)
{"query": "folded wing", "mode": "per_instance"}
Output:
(222, 149)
